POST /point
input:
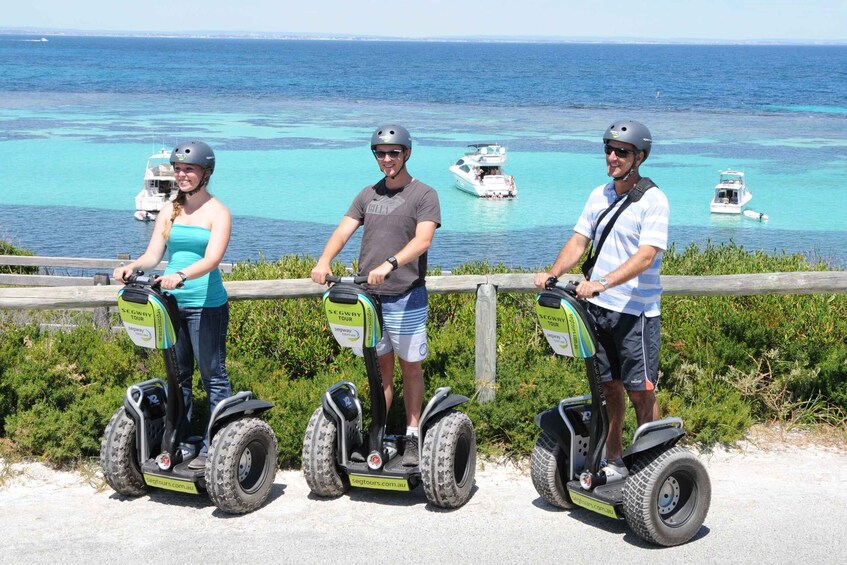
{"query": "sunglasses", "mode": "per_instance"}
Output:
(619, 152)
(394, 154)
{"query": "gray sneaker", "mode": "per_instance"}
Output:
(410, 452)
(615, 471)
(198, 462)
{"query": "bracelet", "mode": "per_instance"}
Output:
(182, 276)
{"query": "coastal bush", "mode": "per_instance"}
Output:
(726, 363)
(7, 248)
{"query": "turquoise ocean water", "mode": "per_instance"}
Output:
(290, 122)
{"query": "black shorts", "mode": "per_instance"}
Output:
(628, 348)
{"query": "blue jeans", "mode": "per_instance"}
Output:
(202, 337)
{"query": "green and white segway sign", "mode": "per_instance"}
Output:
(148, 324)
(353, 325)
(565, 330)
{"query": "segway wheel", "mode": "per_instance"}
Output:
(549, 467)
(448, 460)
(320, 457)
(667, 496)
(241, 465)
(119, 456)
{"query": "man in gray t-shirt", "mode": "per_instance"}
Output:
(400, 215)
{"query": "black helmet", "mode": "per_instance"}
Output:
(634, 133)
(391, 135)
(194, 153)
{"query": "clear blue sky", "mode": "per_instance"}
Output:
(794, 20)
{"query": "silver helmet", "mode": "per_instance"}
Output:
(194, 153)
(391, 134)
(634, 133)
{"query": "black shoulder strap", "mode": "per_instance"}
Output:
(634, 194)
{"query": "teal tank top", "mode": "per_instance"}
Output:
(187, 245)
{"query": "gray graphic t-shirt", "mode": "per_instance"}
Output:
(390, 218)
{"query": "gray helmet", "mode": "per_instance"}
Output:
(634, 133)
(391, 135)
(194, 153)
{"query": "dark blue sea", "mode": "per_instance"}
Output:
(291, 120)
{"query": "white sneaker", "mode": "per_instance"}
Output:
(615, 471)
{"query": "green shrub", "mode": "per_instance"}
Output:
(726, 362)
(7, 248)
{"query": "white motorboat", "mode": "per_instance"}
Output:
(756, 215)
(480, 172)
(731, 195)
(159, 186)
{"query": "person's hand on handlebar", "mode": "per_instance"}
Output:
(320, 272)
(121, 273)
(542, 278)
(169, 282)
(589, 289)
(378, 275)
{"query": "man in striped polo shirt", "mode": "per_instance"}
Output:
(623, 288)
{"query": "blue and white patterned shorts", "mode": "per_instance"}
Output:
(404, 325)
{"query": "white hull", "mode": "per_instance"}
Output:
(143, 216)
(731, 195)
(159, 186)
(480, 172)
(756, 215)
(492, 186)
(723, 208)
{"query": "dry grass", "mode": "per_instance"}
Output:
(766, 436)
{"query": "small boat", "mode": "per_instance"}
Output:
(159, 186)
(756, 215)
(731, 195)
(480, 172)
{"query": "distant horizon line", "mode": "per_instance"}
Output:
(217, 34)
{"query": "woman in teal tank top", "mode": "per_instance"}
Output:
(195, 230)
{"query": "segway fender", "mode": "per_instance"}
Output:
(446, 403)
(330, 413)
(450, 402)
(250, 407)
(667, 437)
(551, 422)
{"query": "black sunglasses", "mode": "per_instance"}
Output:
(620, 153)
(394, 153)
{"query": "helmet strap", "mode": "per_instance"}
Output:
(395, 175)
(200, 186)
(403, 168)
(632, 169)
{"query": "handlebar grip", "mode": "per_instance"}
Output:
(355, 279)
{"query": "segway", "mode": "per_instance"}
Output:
(665, 497)
(147, 441)
(338, 453)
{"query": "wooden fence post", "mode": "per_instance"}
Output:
(101, 315)
(486, 341)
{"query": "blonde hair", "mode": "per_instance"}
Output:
(178, 203)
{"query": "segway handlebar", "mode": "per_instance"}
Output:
(356, 279)
(569, 287)
(138, 276)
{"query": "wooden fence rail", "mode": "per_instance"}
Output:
(485, 287)
(105, 265)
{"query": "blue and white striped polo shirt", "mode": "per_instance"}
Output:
(643, 223)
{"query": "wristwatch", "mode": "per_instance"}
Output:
(394, 263)
(182, 276)
(604, 282)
